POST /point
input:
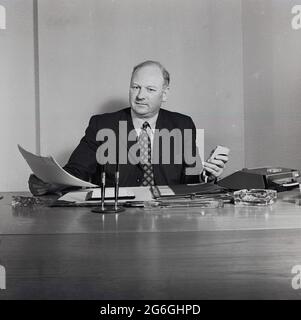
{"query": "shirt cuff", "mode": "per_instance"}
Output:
(208, 178)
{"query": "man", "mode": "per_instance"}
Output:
(149, 89)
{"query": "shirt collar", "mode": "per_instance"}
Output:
(138, 122)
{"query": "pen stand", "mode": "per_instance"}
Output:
(112, 208)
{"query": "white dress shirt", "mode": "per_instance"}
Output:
(138, 123)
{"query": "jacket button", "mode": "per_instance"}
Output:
(138, 180)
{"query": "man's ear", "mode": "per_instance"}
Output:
(165, 94)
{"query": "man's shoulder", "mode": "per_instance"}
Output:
(177, 117)
(109, 117)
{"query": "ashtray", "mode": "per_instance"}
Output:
(254, 197)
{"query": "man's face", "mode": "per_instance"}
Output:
(147, 91)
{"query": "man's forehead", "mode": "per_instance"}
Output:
(148, 75)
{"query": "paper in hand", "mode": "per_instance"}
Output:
(48, 170)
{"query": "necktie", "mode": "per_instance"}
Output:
(146, 156)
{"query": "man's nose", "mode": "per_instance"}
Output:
(141, 94)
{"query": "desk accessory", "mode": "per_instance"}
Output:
(276, 178)
(23, 201)
(254, 197)
(109, 209)
(201, 191)
(197, 203)
(176, 203)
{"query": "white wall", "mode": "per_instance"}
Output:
(235, 68)
(88, 49)
(272, 84)
(17, 102)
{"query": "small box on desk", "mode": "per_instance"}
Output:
(276, 178)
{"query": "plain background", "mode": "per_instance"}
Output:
(234, 64)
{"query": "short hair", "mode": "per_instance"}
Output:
(165, 73)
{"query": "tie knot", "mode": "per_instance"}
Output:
(145, 125)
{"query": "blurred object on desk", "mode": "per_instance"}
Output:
(276, 178)
(254, 197)
(22, 201)
(200, 192)
(195, 203)
(176, 203)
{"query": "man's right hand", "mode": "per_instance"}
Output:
(38, 187)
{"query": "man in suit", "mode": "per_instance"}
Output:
(143, 120)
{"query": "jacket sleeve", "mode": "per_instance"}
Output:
(82, 162)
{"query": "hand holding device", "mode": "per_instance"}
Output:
(219, 151)
(214, 166)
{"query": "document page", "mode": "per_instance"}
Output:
(48, 170)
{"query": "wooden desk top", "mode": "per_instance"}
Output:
(229, 253)
(284, 214)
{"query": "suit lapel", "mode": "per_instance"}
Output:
(126, 171)
(130, 128)
(160, 124)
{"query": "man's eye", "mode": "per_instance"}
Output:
(134, 87)
(151, 89)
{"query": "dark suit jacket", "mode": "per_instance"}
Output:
(83, 163)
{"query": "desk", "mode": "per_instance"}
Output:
(228, 253)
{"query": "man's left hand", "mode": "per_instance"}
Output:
(215, 167)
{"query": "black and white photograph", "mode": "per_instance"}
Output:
(150, 152)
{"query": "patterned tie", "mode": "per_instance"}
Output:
(146, 156)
